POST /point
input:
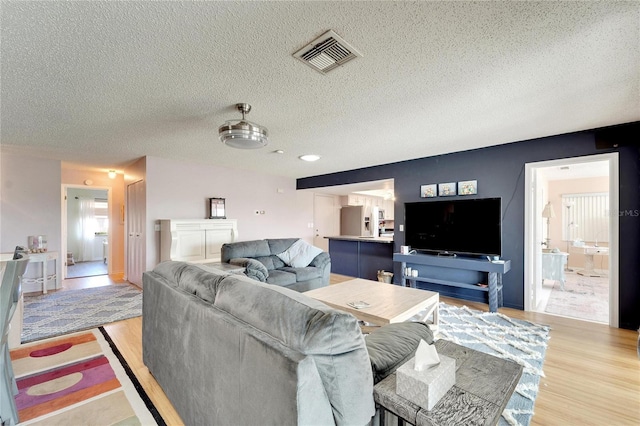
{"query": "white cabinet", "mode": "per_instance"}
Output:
(355, 200)
(388, 209)
(196, 240)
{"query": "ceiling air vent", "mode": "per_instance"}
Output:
(327, 52)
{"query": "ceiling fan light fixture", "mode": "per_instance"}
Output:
(243, 134)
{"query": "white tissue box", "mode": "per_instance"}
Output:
(425, 388)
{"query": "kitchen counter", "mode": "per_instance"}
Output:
(385, 240)
(361, 257)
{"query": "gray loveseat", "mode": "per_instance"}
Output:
(227, 349)
(260, 258)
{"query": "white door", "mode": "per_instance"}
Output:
(135, 232)
(326, 219)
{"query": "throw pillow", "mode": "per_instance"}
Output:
(300, 254)
(392, 345)
(253, 268)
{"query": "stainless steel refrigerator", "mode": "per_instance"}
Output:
(356, 221)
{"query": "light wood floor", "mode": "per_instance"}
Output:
(592, 371)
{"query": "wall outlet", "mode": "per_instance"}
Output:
(401, 228)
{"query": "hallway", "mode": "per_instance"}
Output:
(87, 269)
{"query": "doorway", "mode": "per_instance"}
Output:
(571, 238)
(86, 231)
(326, 210)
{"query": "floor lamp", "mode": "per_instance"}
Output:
(548, 213)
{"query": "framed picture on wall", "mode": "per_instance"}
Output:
(447, 189)
(468, 187)
(428, 191)
(217, 208)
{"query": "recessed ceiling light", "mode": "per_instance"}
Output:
(278, 151)
(309, 157)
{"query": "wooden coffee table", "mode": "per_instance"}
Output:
(387, 302)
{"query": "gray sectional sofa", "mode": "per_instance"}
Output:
(262, 262)
(227, 349)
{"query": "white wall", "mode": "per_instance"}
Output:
(31, 200)
(30, 203)
(181, 190)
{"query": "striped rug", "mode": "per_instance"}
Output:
(79, 378)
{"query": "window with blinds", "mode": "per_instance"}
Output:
(585, 217)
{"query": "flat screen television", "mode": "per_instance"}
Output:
(466, 227)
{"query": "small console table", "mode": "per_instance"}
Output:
(47, 275)
(439, 273)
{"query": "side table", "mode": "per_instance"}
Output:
(553, 267)
(484, 385)
(44, 259)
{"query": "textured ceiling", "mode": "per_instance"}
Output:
(102, 83)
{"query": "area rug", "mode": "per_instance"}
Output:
(504, 337)
(79, 378)
(585, 298)
(62, 312)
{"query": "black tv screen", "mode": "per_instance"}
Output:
(469, 227)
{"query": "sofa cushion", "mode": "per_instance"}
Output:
(300, 254)
(267, 261)
(278, 245)
(277, 262)
(331, 337)
(251, 249)
(321, 260)
(253, 268)
(279, 277)
(304, 274)
(194, 279)
(392, 345)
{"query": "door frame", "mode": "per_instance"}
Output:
(533, 220)
(63, 228)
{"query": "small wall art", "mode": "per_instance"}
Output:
(446, 189)
(428, 191)
(468, 187)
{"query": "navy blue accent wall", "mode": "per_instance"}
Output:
(499, 171)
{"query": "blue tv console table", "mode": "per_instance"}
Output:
(449, 271)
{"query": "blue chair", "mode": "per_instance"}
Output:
(9, 298)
